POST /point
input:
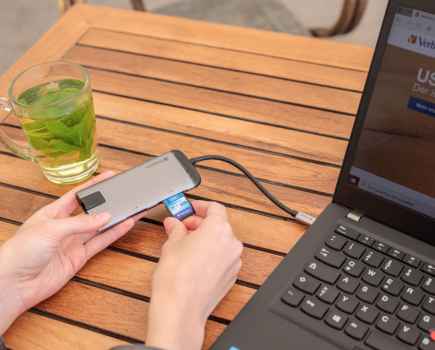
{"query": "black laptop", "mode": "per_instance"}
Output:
(363, 276)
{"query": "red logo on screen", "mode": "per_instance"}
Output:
(412, 39)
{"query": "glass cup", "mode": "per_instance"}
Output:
(53, 105)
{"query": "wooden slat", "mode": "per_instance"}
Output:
(250, 228)
(223, 80)
(277, 120)
(109, 311)
(282, 45)
(304, 145)
(52, 46)
(257, 264)
(283, 169)
(228, 59)
(298, 172)
(37, 332)
(120, 271)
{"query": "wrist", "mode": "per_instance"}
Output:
(172, 328)
(11, 305)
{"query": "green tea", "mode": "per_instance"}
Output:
(58, 119)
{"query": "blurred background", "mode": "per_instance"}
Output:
(22, 22)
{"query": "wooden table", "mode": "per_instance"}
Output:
(283, 106)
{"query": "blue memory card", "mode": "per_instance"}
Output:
(179, 206)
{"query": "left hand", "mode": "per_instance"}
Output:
(48, 250)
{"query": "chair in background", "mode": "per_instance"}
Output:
(64, 5)
(350, 16)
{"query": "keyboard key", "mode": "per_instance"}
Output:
(429, 305)
(306, 284)
(381, 247)
(331, 257)
(354, 250)
(336, 319)
(366, 240)
(408, 334)
(367, 314)
(372, 258)
(396, 253)
(392, 286)
(412, 276)
(413, 295)
(429, 285)
(392, 267)
(327, 294)
(356, 330)
(353, 268)
(347, 232)
(387, 324)
(373, 277)
(367, 293)
(336, 242)
(411, 260)
(292, 297)
(387, 303)
(347, 304)
(348, 284)
(379, 341)
(314, 308)
(426, 343)
(427, 323)
(322, 272)
(428, 268)
(408, 314)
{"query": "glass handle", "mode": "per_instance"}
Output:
(23, 151)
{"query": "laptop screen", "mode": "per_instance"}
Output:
(395, 154)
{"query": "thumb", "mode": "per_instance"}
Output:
(79, 224)
(174, 228)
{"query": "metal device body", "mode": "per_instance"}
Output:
(140, 188)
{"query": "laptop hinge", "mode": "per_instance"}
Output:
(355, 216)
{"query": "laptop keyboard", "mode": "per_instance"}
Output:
(368, 291)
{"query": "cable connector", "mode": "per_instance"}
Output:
(305, 218)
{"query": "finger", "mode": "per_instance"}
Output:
(205, 209)
(174, 228)
(103, 240)
(192, 222)
(86, 237)
(66, 204)
(201, 208)
(79, 224)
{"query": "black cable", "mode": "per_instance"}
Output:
(299, 216)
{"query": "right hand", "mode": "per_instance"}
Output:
(198, 266)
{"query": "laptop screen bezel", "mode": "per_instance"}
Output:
(387, 212)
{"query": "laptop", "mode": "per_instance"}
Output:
(363, 276)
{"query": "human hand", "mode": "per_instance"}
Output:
(198, 266)
(48, 250)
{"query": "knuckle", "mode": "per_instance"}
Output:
(227, 228)
(166, 247)
(238, 248)
(238, 266)
(216, 205)
(217, 208)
